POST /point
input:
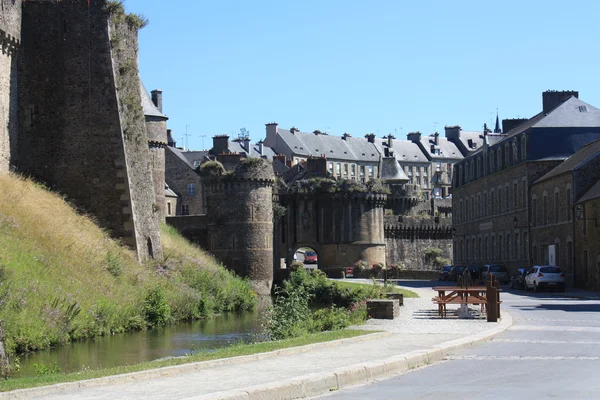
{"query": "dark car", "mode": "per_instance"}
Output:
(517, 281)
(455, 272)
(445, 272)
(499, 271)
(475, 273)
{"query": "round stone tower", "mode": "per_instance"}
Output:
(240, 218)
(156, 129)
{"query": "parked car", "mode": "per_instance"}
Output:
(517, 281)
(545, 277)
(445, 272)
(455, 272)
(499, 271)
(475, 273)
(310, 257)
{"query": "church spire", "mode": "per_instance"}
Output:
(497, 128)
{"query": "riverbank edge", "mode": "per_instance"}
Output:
(182, 368)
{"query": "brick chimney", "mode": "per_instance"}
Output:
(370, 137)
(157, 98)
(220, 144)
(553, 98)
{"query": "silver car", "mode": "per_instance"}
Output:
(545, 277)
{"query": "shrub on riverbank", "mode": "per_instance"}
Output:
(308, 302)
(65, 279)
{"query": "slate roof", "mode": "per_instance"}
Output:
(448, 150)
(476, 139)
(181, 155)
(195, 156)
(575, 161)
(591, 194)
(150, 109)
(169, 192)
(310, 144)
(404, 150)
(572, 113)
(391, 171)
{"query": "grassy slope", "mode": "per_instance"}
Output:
(391, 288)
(54, 261)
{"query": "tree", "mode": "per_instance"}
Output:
(244, 134)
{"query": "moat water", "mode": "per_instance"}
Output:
(136, 347)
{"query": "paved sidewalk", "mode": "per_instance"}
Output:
(419, 337)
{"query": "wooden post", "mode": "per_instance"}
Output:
(498, 299)
(492, 299)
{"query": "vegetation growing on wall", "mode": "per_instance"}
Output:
(116, 9)
(254, 168)
(435, 257)
(341, 186)
(211, 170)
(66, 280)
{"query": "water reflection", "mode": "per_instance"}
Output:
(136, 347)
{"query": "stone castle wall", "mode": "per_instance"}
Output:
(10, 38)
(82, 126)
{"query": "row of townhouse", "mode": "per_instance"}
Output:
(427, 161)
(527, 197)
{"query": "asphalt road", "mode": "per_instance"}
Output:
(551, 352)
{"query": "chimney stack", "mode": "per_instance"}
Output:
(157, 98)
(390, 140)
(293, 129)
(220, 144)
(345, 136)
(370, 137)
(553, 98)
(436, 138)
(246, 144)
(414, 137)
(261, 148)
(272, 133)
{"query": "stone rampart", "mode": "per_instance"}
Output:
(82, 126)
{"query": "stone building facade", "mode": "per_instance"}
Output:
(587, 238)
(184, 181)
(492, 206)
(80, 128)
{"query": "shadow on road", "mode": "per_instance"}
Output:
(562, 307)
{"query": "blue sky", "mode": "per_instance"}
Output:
(362, 66)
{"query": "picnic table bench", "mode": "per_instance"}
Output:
(476, 295)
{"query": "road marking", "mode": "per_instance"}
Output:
(521, 358)
(554, 328)
(558, 320)
(544, 341)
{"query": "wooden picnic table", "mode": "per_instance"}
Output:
(459, 295)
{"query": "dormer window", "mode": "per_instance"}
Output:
(582, 109)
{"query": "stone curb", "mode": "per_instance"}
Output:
(359, 374)
(183, 368)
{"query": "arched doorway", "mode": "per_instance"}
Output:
(308, 256)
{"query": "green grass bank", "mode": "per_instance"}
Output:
(64, 279)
